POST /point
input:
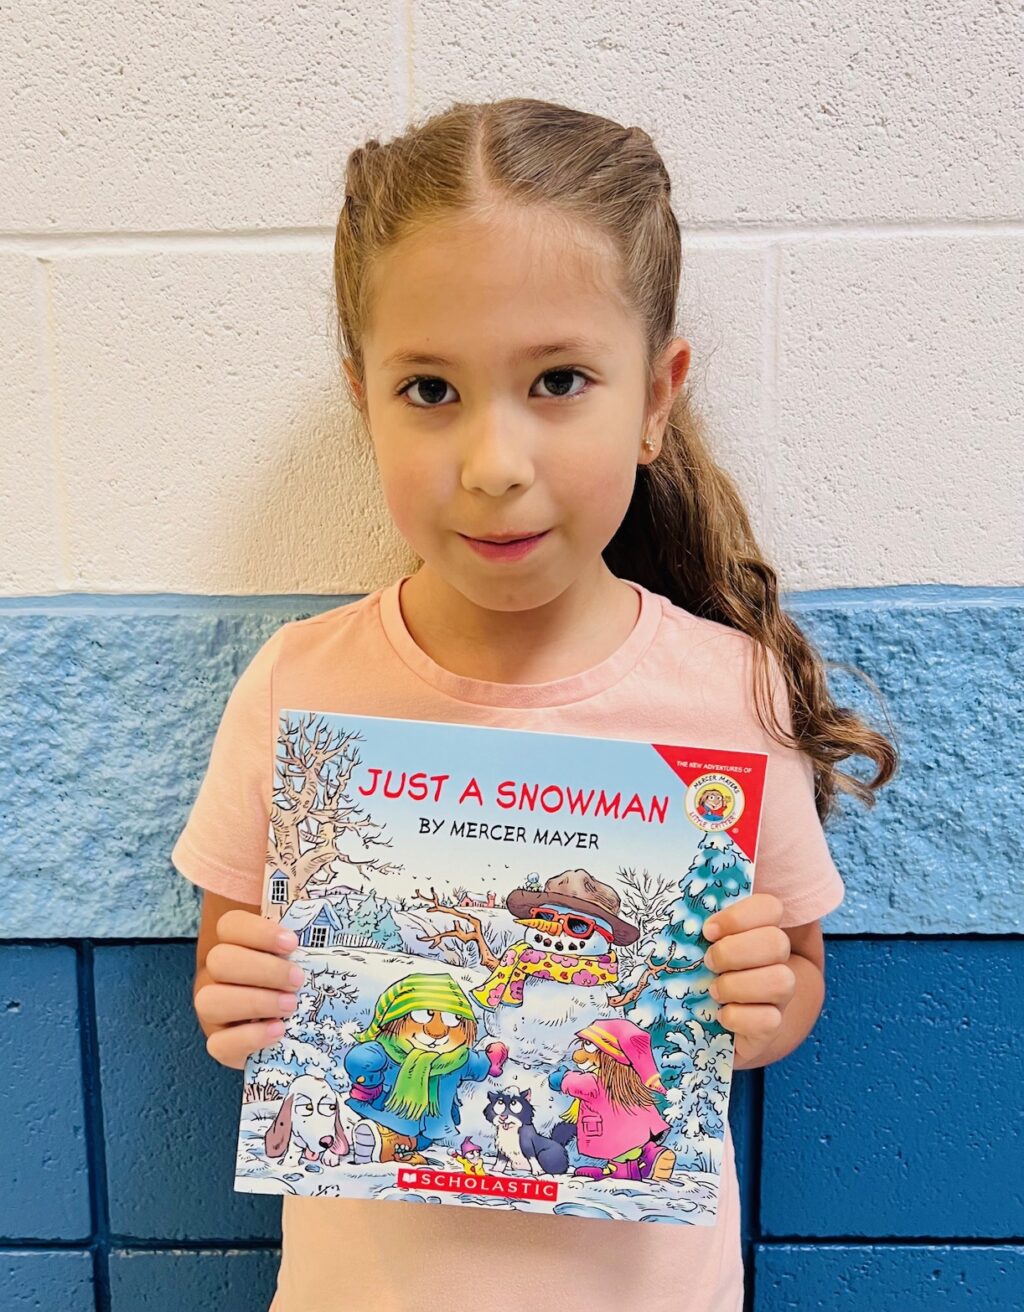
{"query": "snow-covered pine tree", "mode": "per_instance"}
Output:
(372, 919)
(692, 1048)
(718, 875)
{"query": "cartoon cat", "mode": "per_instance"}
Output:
(520, 1145)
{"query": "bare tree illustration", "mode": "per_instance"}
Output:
(313, 818)
(474, 934)
(646, 899)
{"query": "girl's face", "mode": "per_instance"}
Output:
(484, 441)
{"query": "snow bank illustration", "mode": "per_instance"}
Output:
(505, 1000)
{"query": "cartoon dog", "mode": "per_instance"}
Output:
(309, 1126)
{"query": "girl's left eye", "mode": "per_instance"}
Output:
(450, 1019)
(406, 387)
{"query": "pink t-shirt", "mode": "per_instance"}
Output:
(676, 678)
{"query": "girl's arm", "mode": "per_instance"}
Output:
(770, 981)
(365, 1062)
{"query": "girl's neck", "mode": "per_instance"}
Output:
(591, 619)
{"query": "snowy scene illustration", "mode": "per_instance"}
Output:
(505, 1002)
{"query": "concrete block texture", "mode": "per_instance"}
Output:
(224, 450)
(786, 112)
(900, 1114)
(30, 507)
(119, 702)
(936, 853)
(229, 117)
(45, 1280)
(156, 120)
(170, 1112)
(45, 1192)
(232, 1280)
(899, 446)
(887, 1278)
(177, 419)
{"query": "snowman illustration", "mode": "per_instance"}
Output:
(564, 967)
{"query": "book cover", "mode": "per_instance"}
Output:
(505, 1002)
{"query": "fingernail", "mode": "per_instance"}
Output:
(286, 1002)
(287, 940)
(296, 976)
(275, 1029)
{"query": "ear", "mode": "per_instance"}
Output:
(526, 1096)
(357, 395)
(276, 1139)
(670, 371)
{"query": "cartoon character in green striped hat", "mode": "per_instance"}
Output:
(408, 1064)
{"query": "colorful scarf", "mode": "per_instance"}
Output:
(419, 1075)
(420, 1072)
(505, 985)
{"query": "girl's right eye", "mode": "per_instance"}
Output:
(418, 382)
(420, 1017)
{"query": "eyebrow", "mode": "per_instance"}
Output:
(524, 353)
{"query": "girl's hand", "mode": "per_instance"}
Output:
(749, 955)
(245, 986)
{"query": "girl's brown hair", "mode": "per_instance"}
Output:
(622, 1084)
(686, 533)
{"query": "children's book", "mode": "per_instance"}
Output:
(505, 1001)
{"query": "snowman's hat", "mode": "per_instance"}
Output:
(577, 890)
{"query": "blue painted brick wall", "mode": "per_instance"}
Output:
(45, 1193)
(881, 1165)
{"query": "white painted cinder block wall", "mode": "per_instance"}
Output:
(850, 186)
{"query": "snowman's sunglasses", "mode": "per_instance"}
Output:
(572, 923)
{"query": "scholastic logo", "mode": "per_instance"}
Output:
(489, 1186)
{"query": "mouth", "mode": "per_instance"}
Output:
(506, 547)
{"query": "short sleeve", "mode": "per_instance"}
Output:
(224, 843)
(793, 859)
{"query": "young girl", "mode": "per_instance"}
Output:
(506, 278)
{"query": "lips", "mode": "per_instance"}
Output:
(509, 549)
(503, 539)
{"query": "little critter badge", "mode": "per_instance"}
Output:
(714, 802)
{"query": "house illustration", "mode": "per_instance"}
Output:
(478, 900)
(316, 922)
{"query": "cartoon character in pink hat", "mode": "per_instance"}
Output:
(615, 1112)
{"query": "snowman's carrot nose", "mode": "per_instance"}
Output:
(543, 926)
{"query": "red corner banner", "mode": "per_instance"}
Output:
(745, 771)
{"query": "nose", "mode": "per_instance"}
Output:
(496, 458)
(436, 1027)
(326, 1141)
